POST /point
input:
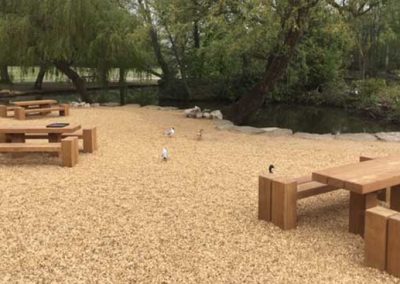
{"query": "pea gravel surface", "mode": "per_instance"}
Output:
(122, 215)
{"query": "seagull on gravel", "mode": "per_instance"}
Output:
(170, 132)
(271, 167)
(200, 134)
(164, 154)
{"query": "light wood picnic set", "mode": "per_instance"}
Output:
(367, 181)
(62, 138)
(38, 107)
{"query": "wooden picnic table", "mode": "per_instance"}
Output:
(16, 134)
(35, 104)
(364, 181)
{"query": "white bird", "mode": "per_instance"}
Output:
(164, 154)
(170, 132)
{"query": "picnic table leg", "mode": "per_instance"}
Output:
(359, 203)
(395, 198)
(3, 111)
(15, 138)
(54, 137)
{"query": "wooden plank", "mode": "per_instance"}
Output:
(33, 103)
(39, 129)
(284, 204)
(393, 246)
(363, 177)
(395, 198)
(376, 237)
(313, 188)
(264, 198)
(359, 203)
(42, 110)
(29, 148)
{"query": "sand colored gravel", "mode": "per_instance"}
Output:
(122, 215)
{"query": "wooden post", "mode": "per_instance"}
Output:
(65, 110)
(284, 204)
(19, 113)
(395, 198)
(3, 111)
(264, 198)
(382, 193)
(89, 137)
(359, 203)
(393, 246)
(376, 225)
(69, 151)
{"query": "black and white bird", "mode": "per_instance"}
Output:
(170, 132)
(164, 154)
(200, 134)
(270, 169)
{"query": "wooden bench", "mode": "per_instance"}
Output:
(278, 197)
(68, 149)
(88, 136)
(5, 109)
(21, 113)
(382, 239)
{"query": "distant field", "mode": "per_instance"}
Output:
(29, 74)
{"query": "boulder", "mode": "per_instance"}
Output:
(314, 136)
(191, 112)
(95, 105)
(110, 104)
(199, 115)
(248, 129)
(356, 137)
(87, 105)
(388, 136)
(206, 115)
(223, 124)
(74, 104)
(276, 131)
(216, 114)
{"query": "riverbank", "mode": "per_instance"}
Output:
(123, 215)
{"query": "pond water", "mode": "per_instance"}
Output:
(311, 119)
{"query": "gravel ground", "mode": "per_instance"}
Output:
(123, 215)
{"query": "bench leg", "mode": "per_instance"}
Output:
(69, 152)
(395, 198)
(65, 110)
(264, 198)
(3, 111)
(376, 233)
(20, 113)
(359, 203)
(89, 137)
(393, 248)
(284, 204)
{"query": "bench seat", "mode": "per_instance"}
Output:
(88, 136)
(21, 113)
(68, 149)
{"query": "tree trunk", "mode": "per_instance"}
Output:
(4, 76)
(296, 17)
(122, 86)
(78, 82)
(40, 78)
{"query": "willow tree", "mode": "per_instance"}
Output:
(62, 33)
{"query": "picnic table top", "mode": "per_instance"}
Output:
(363, 178)
(38, 129)
(34, 103)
